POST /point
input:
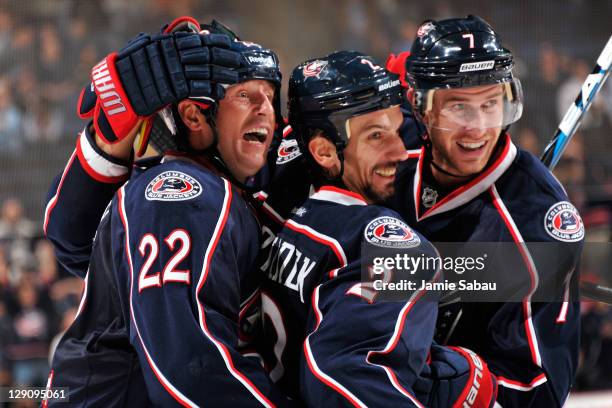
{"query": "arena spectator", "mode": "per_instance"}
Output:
(10, 121)
(16, 231)
(32, 331)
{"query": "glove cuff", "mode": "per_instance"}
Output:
(115, 116)
(99, 165)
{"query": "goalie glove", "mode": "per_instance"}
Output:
(152, 72)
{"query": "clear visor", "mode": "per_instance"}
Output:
(472, 108)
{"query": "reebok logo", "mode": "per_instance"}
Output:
(476, 66)
(105, 89)
(268, 61)
(388, 85)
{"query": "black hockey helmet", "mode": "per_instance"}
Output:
(325, 92)
(461, 53)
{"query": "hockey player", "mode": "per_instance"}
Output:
(470, 183)
(169, 276)
(331, 341)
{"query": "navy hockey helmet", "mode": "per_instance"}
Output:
(461, 53)
(256, 62)
(325, 92)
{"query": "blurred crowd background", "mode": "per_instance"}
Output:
(47, 48)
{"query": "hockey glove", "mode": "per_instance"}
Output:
(152, 72)
(458, 377)
(397, 65)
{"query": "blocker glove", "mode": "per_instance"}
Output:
(154, 71)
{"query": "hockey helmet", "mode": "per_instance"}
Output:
(462, 53)
(256, 62)
(325, 92)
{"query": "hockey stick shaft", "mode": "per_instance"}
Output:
(568, 126)
(596, 292)
(574, 115)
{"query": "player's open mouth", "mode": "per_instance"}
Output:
(256, 135)
(388, 171)
(471, 146)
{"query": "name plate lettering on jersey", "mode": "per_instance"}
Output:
(390, 232)
(287, 265)
(173, 186)
(563, 222)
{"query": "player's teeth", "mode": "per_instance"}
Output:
(471, 145)
(387, 172)
(259, 131)
(256, 135)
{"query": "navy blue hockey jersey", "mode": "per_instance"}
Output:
(531, 347)
(332, 342)
(168, 286)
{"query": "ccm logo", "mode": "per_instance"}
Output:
(105, 88)
(473, 393)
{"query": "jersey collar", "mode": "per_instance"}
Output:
(338, 196)
(467, 192)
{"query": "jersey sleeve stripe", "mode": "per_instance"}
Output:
(393, 341)
(287, 130)
(414, 154)
(321, 238)
(564, 306)
(98, 167)
(533, 274)
(313, 366)
(267, 208)
(53, 201)
(519, 386)
(83, 297)
(210, 250)
(45, 402)
(175, 393)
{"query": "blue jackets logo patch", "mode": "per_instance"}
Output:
(563, 223)
(173, 186)
(390, 232)
(287, 151)
(313, 68)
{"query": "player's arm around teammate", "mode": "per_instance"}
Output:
(168, 273)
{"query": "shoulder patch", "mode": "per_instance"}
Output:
(563, 223)
(390, 232)
(287, 151)
(173, 186)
